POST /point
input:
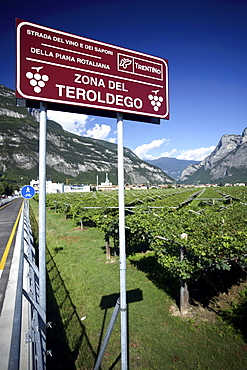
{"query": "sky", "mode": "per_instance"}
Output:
(205, 42)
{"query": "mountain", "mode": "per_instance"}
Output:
(226, 164)
(173, 167)
(68, 155)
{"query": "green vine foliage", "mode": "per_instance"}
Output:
(217, 234)
(216, 239)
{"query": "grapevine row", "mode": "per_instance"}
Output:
(216, 233)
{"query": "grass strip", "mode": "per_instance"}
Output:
(82, 288)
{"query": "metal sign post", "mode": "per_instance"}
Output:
(123, 304)
(42, 211)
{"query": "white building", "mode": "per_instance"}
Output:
(55, 187)
(76, 188)
(105, 186)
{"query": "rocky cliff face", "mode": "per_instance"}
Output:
(68, 155)
(227, 163)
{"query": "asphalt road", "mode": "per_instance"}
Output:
(8, 216)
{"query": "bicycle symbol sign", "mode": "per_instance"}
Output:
(27, 192)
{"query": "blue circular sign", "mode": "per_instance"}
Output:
(27, 191)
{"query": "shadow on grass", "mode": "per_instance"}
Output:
(232, 310)
(159, 277)
(110, 301)
(67, 339)
(203, 291)
(207, 288)
(237, 315)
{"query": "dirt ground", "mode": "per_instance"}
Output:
(209, 312)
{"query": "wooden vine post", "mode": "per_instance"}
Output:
(184, 291)
(107, 248)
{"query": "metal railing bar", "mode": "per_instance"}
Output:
(32, 264)
(34, 304)
(14, 356)
(36, 336)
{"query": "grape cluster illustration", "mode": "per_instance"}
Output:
(155, 100)
(36, 79)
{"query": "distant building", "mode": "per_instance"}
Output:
(105, 186)
(53, 187)
(76, 188)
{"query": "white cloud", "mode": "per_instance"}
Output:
(196, 154)
(172, 153)
(141, 151)
(71, 122)
(99, 131)
(112, 140)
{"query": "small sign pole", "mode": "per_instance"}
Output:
(42, 211)
(123, 304)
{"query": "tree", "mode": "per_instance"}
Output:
(6, 188)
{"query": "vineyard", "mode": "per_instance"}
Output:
(196, 236)
(192, 232)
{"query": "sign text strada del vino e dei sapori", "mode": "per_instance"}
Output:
(58, 67)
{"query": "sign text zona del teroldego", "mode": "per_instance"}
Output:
(58, 67)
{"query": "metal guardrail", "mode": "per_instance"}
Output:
(35, 339)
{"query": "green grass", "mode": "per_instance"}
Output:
(78, 278)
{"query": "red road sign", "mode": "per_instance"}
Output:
(55, 66)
